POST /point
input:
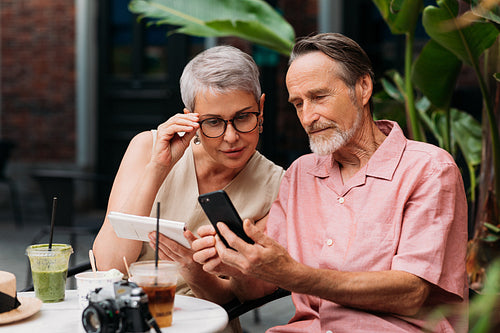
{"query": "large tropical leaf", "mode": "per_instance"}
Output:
(468, 134)
(385, 107)
(434, 121)
(466, 43)
(434, 61)
(393, 91)
(253, 20)
(488, 9)
(466, 131)
(401, 16)
(390, 102)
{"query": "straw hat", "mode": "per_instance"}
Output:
(28, 307)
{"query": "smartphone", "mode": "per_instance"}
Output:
(219, 208)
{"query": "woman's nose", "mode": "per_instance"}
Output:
(231, 134)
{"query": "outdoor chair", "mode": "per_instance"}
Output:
(235, 308)
(6, 147)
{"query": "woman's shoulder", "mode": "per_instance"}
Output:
(260, 163)
(145, 138)
(140, 145)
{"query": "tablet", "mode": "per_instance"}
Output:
(138, 227)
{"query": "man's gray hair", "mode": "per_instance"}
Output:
(353, 60)
(349, 55)
(218, 70)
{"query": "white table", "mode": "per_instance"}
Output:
(190, 315)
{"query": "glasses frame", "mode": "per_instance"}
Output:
(257, 114)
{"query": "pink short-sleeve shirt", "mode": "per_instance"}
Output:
(405, 210)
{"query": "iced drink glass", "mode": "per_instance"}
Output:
(159, 284)
(49, 269)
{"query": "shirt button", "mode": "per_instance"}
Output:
(329, 242)
(341, 200)
(328, 331)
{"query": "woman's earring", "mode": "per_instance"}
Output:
(197, 140)
(261, 127)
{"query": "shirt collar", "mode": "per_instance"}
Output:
(383, 162)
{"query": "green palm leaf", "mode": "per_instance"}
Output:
(401, 16)
(253, 20)
(492, 14)
(435, 60)
(467, 43)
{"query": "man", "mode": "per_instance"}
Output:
(369, 232)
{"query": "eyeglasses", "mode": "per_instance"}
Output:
(243, 122)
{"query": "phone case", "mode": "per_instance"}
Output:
(219, 208)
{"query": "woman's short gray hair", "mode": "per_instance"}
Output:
(219, 69)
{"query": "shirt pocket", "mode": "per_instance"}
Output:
(374, 238)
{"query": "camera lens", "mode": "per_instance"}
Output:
(101, 318)
(91, 320)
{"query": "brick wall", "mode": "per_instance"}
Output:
(38, 78)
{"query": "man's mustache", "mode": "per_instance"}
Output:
(317, 126)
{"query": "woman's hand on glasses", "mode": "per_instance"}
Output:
(170, 145)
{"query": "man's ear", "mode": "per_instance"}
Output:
(365, 85)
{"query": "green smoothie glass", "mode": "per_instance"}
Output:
(49, 269)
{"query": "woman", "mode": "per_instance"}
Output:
(211, 146)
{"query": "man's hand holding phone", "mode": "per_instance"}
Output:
(218, 259)
(205, 252)
(242, 246)
(219, 208)
(265, 259)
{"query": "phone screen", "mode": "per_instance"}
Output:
(219, 208)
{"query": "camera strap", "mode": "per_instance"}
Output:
(152, 323)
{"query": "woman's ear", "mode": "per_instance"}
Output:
(261, 103)
(186, 111)
(261, 110)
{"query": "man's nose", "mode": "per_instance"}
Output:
(308, 114)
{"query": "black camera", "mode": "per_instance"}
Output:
(121, 307)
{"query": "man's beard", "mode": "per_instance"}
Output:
(327, 144)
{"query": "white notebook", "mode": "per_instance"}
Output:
(138, 227)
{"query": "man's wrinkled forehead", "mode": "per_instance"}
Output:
(313, 63)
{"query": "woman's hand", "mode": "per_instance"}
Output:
(169, 249)
(170, 146)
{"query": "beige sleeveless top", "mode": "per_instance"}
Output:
(252, 192)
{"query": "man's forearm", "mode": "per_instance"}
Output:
(208, 286)
(395, 292)
(246, 288)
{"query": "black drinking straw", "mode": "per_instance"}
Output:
(52, 220)
(157, 240)
(157, 233)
